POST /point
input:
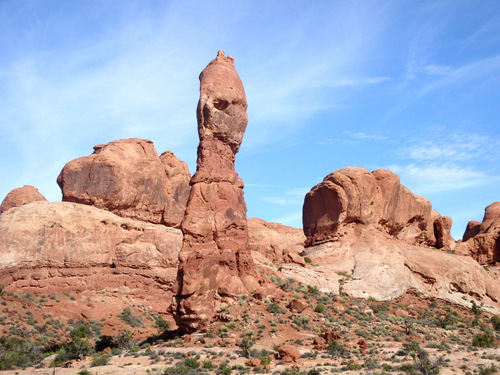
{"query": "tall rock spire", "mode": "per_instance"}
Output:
(215, 261)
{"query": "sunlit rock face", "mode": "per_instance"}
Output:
(21, 196)
(482, 240)
(215, 263)
(355, 196)
(128, 178)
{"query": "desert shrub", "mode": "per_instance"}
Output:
(74, 349)
(274, 308)
(483, 340)
(99, 360)
(207, 364)
(191, 362)
(492, 369)
(422, 364)
(495, 321)
(371, 363)
(307, 260)
(319, 308)
(84, 372)
(129, 318)
(336, 350)
(125, 339)
(161, 324)
(16, 352)
(352, 365)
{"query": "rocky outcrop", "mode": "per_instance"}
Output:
(378, 200)
(49, 245)
(215, 262)
(128, 178)
(482, 242)
(367, 263)
(368, 236)
(277, 242)
(442, 229)
(21, 196)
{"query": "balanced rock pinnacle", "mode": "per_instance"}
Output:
(215, 262)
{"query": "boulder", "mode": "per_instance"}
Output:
(442, 228)
(128, 178)
(21, 196)
(482, 242)
(215, 261)
(376, 199)
(289, 353)
(297, 305)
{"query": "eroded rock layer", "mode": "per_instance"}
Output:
(128, 178)
(215, 262)
(63, 245)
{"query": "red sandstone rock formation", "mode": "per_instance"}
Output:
(482, 242)
(65, 246)
(215, 262)
(128, 178)
(21, 196)
(376, 199)
(277, 242)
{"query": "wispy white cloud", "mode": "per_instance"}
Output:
(357, 81)
(441, 178)
(453, 147)
(476, 71)
(437, 70)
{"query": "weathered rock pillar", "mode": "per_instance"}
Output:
(215, 261)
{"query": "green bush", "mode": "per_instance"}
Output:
(99, 360)
(336, 350)
(129, 318)
(484, 340)
(161, 324)
(319, 308)
(16, 352)
(495, 321)
(274, 308)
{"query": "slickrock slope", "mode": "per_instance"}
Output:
(20, 196)
(369, 236)
(215, 262)
(482, 240)
(48, 246)
(376, 199)
(128, 178)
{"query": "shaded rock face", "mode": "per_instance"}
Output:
(215, 262)
(43, 245)
(21, 196)
(376, 199)
(482, 240)
(128, 178)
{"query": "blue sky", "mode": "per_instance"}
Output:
(410, 86)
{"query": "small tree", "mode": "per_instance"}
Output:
(247, 341)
